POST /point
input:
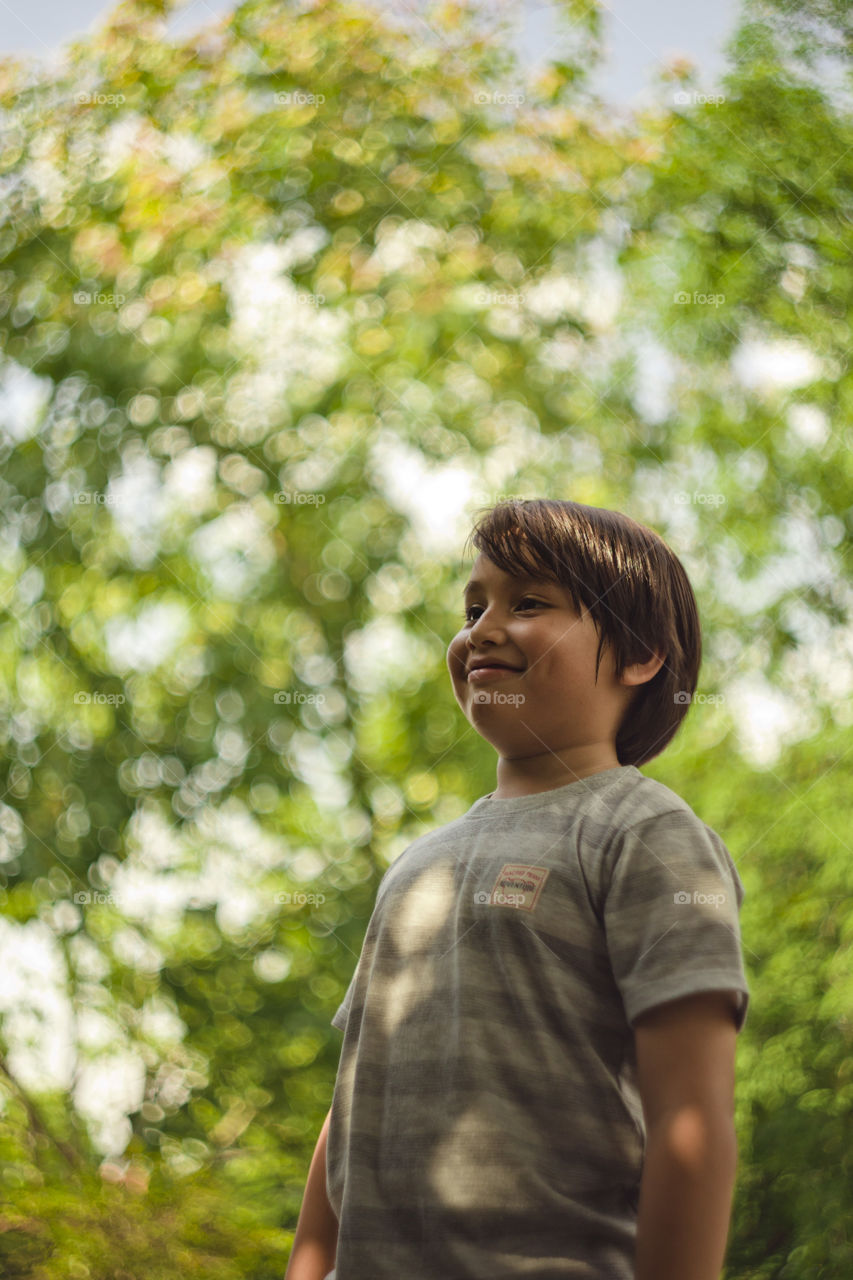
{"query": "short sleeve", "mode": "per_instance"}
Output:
(671, 914)
(342, 1012)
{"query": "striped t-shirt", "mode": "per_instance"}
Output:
(486, 1121)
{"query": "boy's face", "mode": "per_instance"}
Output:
(550, 705)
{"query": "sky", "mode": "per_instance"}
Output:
(641, 35)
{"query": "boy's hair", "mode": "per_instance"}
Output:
(634, 587)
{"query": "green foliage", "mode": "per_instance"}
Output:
(256, 272)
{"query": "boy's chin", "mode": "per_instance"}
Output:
(504, 741)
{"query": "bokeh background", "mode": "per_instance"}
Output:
(286, 298)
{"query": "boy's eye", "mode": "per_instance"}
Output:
(537, 604)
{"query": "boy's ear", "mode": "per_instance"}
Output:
(640, 672)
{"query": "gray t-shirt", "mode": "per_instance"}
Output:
(486, 1121)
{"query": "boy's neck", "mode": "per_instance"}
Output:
(530, 776)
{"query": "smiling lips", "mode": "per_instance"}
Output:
(490, 671)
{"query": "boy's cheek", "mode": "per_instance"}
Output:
(456, 662)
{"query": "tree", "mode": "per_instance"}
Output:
(246, 277)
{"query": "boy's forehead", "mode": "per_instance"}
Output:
(484, 571)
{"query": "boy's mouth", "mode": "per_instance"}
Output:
(480, 670)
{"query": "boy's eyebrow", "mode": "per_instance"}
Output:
(475, 584)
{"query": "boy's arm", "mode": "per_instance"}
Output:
(316, 1240)
(685, 1066)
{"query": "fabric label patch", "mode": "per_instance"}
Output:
(518, 886)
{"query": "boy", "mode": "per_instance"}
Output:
(537, 1072)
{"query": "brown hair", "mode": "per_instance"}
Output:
(634, 587)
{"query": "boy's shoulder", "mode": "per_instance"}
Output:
(623, 799)
(649, 815)
(636, 798)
